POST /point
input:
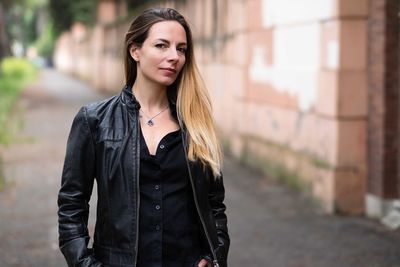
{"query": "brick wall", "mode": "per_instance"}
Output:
(383, 85)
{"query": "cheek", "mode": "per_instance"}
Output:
(181, 64)
(149, 63)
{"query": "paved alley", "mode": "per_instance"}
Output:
(270, 225)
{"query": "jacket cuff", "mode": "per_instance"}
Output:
(78, 255)
(208, 258)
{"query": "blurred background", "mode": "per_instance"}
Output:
(306, 99)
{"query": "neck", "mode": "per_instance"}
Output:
(151, 96)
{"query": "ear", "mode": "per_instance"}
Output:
(134, 51)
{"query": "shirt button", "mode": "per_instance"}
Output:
(162, 146)
(158, 227)
(158, 207)
(157, 187)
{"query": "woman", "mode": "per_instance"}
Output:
(154, 154)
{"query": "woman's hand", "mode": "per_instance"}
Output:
(204, 263)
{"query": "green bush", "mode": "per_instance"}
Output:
(17, 69)
(14, 75)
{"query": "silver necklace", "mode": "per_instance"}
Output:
(150, 120)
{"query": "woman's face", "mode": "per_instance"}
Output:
(162, 55)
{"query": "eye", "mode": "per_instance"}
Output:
(182, 50)
(161, 45)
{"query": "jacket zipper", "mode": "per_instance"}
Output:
(138, 189)
(215, 261)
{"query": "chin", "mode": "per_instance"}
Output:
(166, 82)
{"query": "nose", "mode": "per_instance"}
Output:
(173, 54)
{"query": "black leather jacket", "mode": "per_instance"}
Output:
(104, 145)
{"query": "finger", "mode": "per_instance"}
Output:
(203, 263)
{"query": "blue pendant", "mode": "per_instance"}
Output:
(150, 122)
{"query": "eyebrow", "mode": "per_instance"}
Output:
(166, 41)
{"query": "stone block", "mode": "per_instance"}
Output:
(63, 51)
(237, 13)
(330, 45)
(342, 93)
(320, 137)
(195, 16)
(344, 44)
(106, 12)
(327, 93)
(353, 93)
(213, 77)
(79, 32)
(253, 15)
(199, 54)
(238, 110)
(352, 140)
(113, 74)
(323, 188)
(226, 85)
(353, 36)
(350, 190)
(260, 47)
(235, 50)
(208, 21)
(346, 8)
(284, 12)
(235, 81)
(311, 134)
(340, 143)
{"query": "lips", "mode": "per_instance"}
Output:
(169, 70)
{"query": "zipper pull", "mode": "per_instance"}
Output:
(215, 263)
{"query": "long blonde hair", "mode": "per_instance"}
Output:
(192, 99)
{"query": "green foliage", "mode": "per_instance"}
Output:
(35, 3)
(9, 3)
(84, 11)
(29, 21)
(16, 69)
(23, 21)
(61, 13)
(133, 4)
(14, 74)
(65, 12)
(45, 43)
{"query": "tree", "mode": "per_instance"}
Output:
(65, 12)
(61, 13)
(4, 40)
(18, 21)
(5, 46)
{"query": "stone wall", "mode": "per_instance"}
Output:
(288, 81)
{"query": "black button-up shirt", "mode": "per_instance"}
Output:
(169, 232)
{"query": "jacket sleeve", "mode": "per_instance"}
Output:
(216, 198)
(74, 195)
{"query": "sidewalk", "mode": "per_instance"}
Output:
(270, 225)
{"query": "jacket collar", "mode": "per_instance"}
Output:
(128, 98)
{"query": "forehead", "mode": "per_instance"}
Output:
(169, 30)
